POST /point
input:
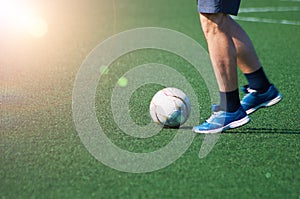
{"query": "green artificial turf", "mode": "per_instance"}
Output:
(42, 156)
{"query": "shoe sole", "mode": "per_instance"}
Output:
(231, 125)
(265, 104)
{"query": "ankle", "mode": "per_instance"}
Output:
(230, 101)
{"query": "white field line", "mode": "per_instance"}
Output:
(269, 9)
(254, 19)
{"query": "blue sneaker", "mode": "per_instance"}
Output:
(255, 100)
(221, 120)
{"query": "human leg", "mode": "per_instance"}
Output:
(247, 59)
(223, 54)
(221, 49)
(229, 45)
(260, 92)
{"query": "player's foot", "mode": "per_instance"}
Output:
(255, 100)
(221, 120)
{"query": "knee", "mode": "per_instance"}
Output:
(212, 23)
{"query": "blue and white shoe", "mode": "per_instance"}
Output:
(221, 120)
(255, 100)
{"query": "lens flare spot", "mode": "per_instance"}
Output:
(35, 26)
(123, 82)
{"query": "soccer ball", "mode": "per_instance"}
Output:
(170, 107)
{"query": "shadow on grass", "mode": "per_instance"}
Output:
(265, 130)
(256, 130)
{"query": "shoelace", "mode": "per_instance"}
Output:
(213, 116)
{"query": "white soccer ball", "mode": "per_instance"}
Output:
(170, 107)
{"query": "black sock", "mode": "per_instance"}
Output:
(230, 101)
(258, 80)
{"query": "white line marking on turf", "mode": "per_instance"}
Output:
(254, 19)
(269, 9)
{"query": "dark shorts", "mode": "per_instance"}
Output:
(219, 6)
